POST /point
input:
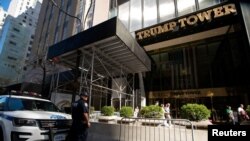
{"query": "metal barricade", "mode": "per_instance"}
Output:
(144, 129)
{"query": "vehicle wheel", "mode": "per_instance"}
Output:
(1, 134)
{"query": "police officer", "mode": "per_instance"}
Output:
(80, 117)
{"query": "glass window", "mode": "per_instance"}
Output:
(15, 29)
(164, 57)
(56, 35)
(124, 13)
(51, 13)
(166, 10)
(2, 103)
(59, 18)
(28, 104)
(80, 16)
(62, 3)
(185, 6)
(15, 104)
(150, 12)
(207, 3)
(156, 58)
(12, 43)
(113, 9)
(68, 9)
(89, 22)
(135, 19)
(65, 30)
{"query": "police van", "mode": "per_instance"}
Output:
(26, 117)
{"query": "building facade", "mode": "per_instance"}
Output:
(3, 15)
(200, 48)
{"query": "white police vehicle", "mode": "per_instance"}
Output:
(26, 118)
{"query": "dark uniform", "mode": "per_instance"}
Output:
(79, 128)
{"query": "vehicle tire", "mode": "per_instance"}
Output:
(1, 134)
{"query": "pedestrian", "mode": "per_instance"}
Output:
(163, 117)
(242, 114)
(163, 110)
(157, 103)
(230, 115)
(136, 112)
(168, 113)
(80, 118)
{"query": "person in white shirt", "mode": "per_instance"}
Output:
(167, 113)
(241, 109)
(136, 112)
(242, 115)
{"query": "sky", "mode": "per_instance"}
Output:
(5, 4)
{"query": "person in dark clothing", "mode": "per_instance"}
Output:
(80, 119)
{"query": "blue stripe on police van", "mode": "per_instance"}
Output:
(57, 117)
(6, 117)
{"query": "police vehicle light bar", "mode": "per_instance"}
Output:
(26, 93)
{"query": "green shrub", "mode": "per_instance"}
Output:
(108, 110)
(248, 110)
(152, 111)
(126, 112)
(195, 112)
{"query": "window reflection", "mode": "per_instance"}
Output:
(150, 12)
(207, 3)
(124, 13)
(113, 8)
(185, 6)
(166, 9)
(135, 15)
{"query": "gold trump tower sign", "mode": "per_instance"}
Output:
(191, 20)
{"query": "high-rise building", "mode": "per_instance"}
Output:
(55, 24)
(60, 19)
(3, 15)
(17, 39)
(199, 48)
(18, 7)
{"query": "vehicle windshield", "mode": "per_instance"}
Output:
(31, 105)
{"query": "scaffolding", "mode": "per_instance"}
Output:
(104, 60)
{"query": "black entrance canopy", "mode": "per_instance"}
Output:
(111, 45)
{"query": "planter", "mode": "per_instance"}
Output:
(122, 120)
(196, 124)
(152, 122)
(108, 119)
